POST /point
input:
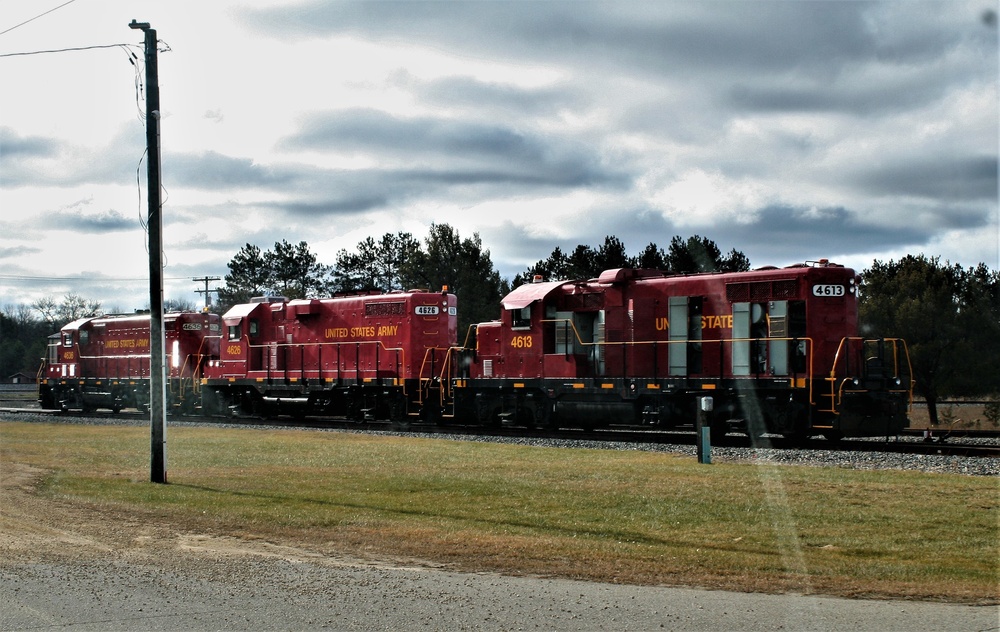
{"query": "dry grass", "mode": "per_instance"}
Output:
(630, 517)
(952, 417)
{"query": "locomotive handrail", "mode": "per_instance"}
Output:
(468, 334)
(115, 356)
(358, 372)
(443, 375)
(809, 371)
(196, 370)
(836, 393)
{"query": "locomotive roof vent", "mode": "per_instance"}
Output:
(269, 299)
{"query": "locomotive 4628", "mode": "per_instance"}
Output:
(778, 350)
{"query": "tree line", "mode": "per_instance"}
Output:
(444, 258)
(949, 315)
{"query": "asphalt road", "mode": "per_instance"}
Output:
(276, 594)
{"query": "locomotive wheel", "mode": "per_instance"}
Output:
(800, 427)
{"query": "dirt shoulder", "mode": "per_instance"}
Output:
(35, 528)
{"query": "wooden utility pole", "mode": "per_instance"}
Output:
(206, 291)
(154, 224)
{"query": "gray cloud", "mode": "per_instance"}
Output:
(478, 96)
(781, 234)
(777, 236)
(13, 146)
(677, 74)
(18, 251)
(215, 171)
(938, 177)
(500, 152)
(109, 221)
(676, 39)
(40, 161)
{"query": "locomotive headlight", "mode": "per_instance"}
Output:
(856, 381)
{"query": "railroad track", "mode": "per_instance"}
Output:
(906, 444)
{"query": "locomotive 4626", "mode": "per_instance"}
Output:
(778, 350)
(368, 356)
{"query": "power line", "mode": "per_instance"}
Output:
(65, 50)
(36, 17)
(17, 277)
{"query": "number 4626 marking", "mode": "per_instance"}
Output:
(521, 342)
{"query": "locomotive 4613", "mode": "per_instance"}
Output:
(778, 350)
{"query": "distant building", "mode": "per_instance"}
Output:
(21, 378)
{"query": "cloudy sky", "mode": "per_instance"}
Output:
(790, 130)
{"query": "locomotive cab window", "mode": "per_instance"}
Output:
(67, 340)
(84, 336)
(254, 327)
(235, 332)
(53, 342)
(521, 318)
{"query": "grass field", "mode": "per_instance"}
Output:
(633, 517)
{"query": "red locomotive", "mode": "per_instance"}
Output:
(367, 356)
(103, 362)
(777, 349)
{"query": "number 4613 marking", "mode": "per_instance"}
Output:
(828, 290)
(521, 342)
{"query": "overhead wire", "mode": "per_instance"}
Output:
(4, 32)
(64, 50)
(54, 279)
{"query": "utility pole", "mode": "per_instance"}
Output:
(208, 296)
(154, 224)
